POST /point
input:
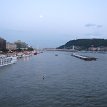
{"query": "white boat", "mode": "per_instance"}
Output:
(5, 60)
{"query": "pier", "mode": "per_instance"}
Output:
(86, 58)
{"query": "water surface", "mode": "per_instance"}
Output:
(67, 82)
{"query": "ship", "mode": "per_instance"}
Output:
(7, 60)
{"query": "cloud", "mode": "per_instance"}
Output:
(90, 25)
(93, 25)
(99, 26)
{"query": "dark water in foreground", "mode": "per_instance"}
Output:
(68, 81)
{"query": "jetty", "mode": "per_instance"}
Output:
(86, 58)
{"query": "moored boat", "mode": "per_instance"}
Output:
(35, 53)
(5, 60)
(86, 58)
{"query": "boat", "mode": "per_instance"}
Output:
(86, 58)
(19, 55)
(56, 54)
(35, 53)
(7, 60)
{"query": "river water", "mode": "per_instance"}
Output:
(47, 80)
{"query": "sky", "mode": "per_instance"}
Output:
(51, 23)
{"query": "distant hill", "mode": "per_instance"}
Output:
(84, 43)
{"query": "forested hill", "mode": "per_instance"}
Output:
(85, 43)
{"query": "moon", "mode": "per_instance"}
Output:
(41, 16)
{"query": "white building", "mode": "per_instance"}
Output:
(10, 46)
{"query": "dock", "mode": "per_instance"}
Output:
(86, 58)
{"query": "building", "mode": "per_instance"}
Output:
(101, 48)
(2, 44)
(21, 45)
(93, 48)
(10, 46)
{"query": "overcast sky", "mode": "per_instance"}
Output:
(51, 23)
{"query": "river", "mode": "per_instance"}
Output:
(46, 80)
